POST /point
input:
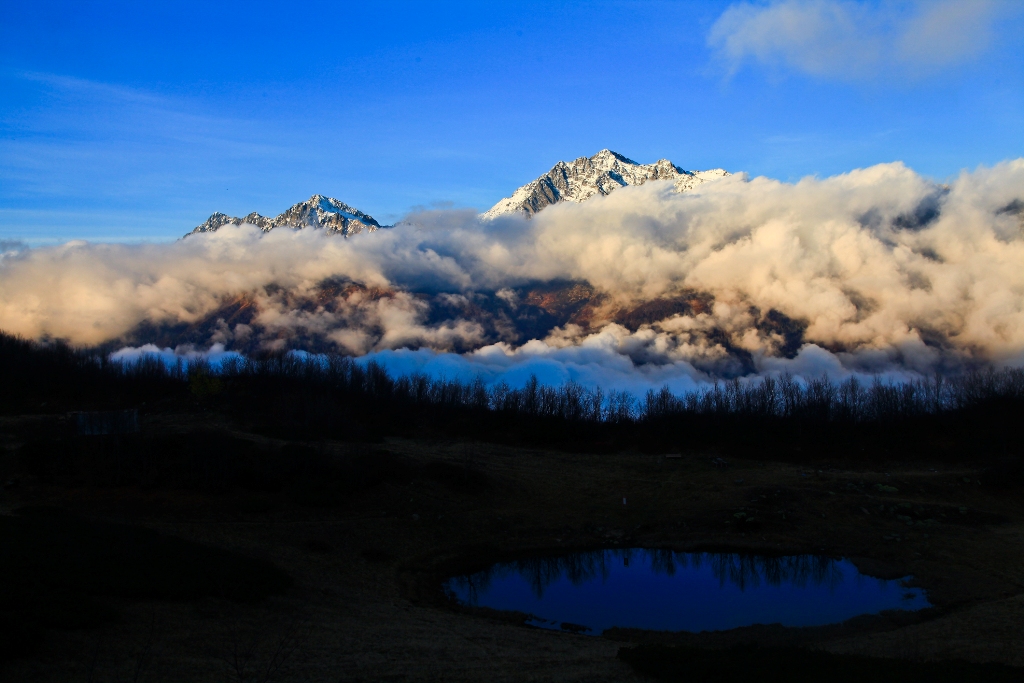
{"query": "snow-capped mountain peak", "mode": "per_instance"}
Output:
(318, 211)
(585, 177)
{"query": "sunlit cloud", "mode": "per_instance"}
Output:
(875, 270)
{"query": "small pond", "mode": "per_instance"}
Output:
(663, 590)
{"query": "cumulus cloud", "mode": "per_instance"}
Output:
(853, 40)
(875, 270)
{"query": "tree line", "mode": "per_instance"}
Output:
(341, 396)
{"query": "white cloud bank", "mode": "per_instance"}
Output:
(596, 362)
(855, 40)
(887, 270)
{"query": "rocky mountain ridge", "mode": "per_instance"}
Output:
(574, 181)
(586, 177)
(318, 211)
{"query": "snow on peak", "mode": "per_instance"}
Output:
(573, 181)
(603, 173)
(317, 212)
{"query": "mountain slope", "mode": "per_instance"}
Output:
(318, 212)
(585, 177)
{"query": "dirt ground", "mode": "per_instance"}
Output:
(366, 603)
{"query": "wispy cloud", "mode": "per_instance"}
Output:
(849, 40)
(86, 144)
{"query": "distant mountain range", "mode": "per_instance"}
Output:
(348, 315)
(574, 181)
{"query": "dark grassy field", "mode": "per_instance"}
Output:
(58, 568)
(267, 525)
(780, 664)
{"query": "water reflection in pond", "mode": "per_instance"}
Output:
(666, 590)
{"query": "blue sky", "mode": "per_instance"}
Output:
(135, 121)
